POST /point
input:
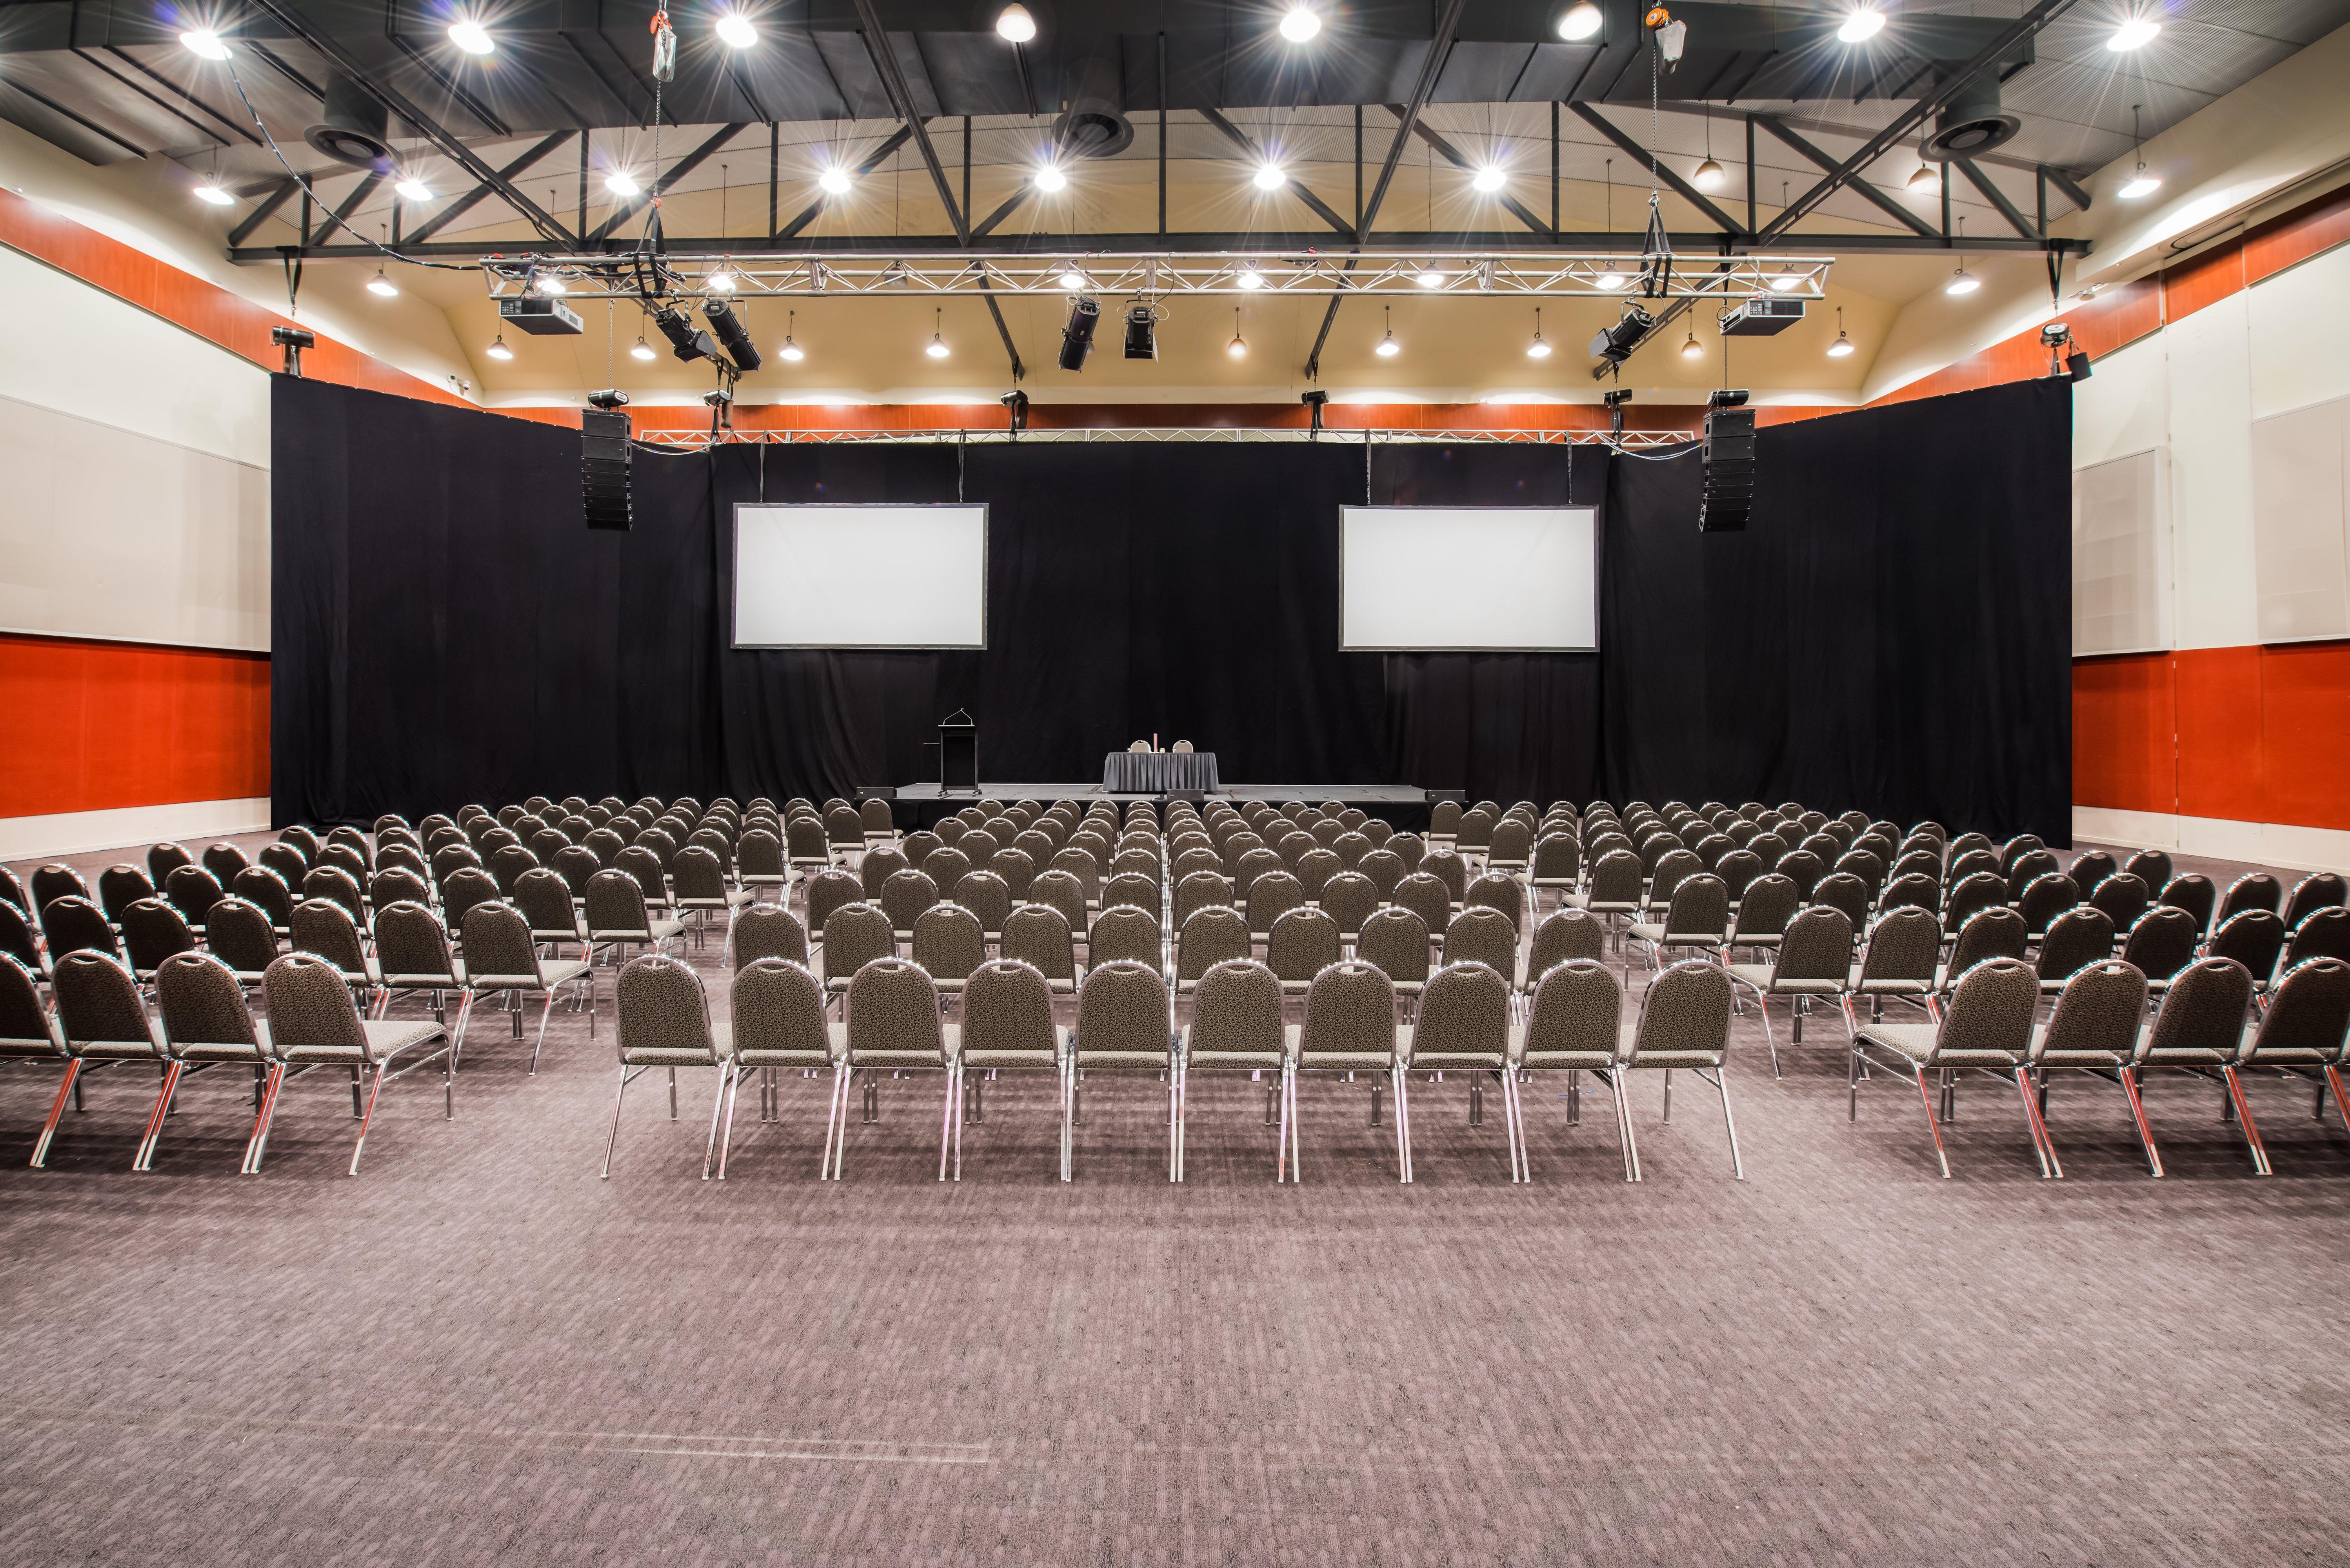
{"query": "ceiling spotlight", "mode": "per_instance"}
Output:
(1963, 282)
(643, 350)
(1781, 282)
(471, 37)
(834, 181)
(498, 350)
(938, 346)
(1014, 26)
(622, 183)
(1691, 349)
(1269, 177)
(1251, 279)
(2134, 34)
(412, 189)
(1387, 347)
(212, 192)
(1610, 279)
(1236, 347)
(1428, 277)
(1049, 178)
(205, 43)
(1490, 178)
(1072, 279)
(733, 27)
(1708, 177)
(2139, 184)
(1864, 23)
(1582, 21)
(382, 286)
(1843, 344)
(1299, 24)
(1538, 350)
(1925, 182)
(720, 281)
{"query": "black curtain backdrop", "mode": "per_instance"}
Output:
(1892, 633)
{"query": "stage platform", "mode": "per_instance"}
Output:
(1365, 795)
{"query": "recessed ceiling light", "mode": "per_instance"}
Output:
(472, 37)
(1490, 178)
(2134, 34)
(1863, 24)
(620, 183)
(412, 189)
(1299, 24)
(498, 350)
(208, 191)
(834, 182)
(735, 28)
(383, 285)
(206, 42)
(1014, 26)
(1049, 178)
(1269, 177)
(1582, 21)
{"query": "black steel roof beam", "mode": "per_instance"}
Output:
(447, 83)
(1453, 155)
(1010, 352)
(398, 103)
(54, 107)
(1998, 198)
(1439, 48)
(1681, 188)
(342, 215)
(874, 159)
(902, 98)
(466, 202)
(1298, 187)
(630, 206)
(1862, 187)
(158, 78)
(1012, 203)
(294, 78)
(2065, 182)
(260, 213)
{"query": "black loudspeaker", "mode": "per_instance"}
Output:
(1729, 455)
(604, 467)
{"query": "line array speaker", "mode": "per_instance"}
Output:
(1729, 457)
(604, 467)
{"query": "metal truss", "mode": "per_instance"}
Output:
(1594, 275)
(702, 439)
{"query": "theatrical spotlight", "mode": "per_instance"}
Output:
(1077, 336)
(684, 340)
(1314, 403)
(1016, 404)
(1615, 344)
(293, 340)
(2056, 337)
(1142, 331)
(610, 398)
(727, 323)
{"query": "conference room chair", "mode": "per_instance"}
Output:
(2198, 1030)
(426, 824)
(1497, 891)
(28, 1031)
(1044, 938)
(1410, 847)
(699, 889)
(759, 863)
(1481, 934)
(1738, 871)
(880, 863)
(1697, 915)
(1236, 1026)
(102, 1019)
(2151, 866)
(164, 858)
(194, 890)
(663, 1020)
(2318, 891)
(73, 924)
(1983, 890)
(578, 867)
(804, 840)
(1901, 961)
(2301, 1034)
(2091, 867)
(2015, 850)
(2047, 896)
(1448, 867)
(2254, 938)
(2094, 1028)
(829, 890)
(903, 898)
(1444, 821)
(1063, 892)
(12, 891)
(1911, 891)
(987, 896)
(266, 890)
(412, 953)
(778, 1022)
(1843, 891)
(468, 886)
(2027, 868)
(1039, 845)
(2325, 933)
(1314, 870)
(2079, 937)
(509, 862)
(224, 860)
(1271, 895)
(1299, 945)
(1016, 869)
(393, 885)
(769, 930)
(1326, 832)
(1773, 850)
(1396, 941)
(1921, 862)
(1350, 847)
(1384, 870)
(153, 931)
(1126, 931)
(1350, 898)
(242, 935)
(1207, 937)
(1996, 932)
(1199, 890)
(1863, 865)
(617, 915)
(1349, 1027)
(1132, 887)
(119, 888)
(1986, 1026)
(395, 857)
(947, 945)
(2162, 942)
(877, 822)
(1813, 959)
(1760, 908)
(1463, 1024)
(1712, 850)
(1124, 1025)
(852, 936)
(1739, 830)
(980, 845)
(502, 961)
(2253, 891)
(1566, 936)
(1255, 863)
(2123, 898)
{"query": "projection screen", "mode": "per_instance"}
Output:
(1467, 579)
(860, 576)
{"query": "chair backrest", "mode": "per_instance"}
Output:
(1685, 1009)
(1125, 931)
(310, 1004)
(1578, 1007)
(2203, 1010)
(1236, 1007)
(1395, 940)
(17, 938)
(2047, 896)
(1483, 936)
(1904, 948)
(2100, 1009)
(662, 1007)
(1564, 936)
(854, 935)
(1818, 946)
(947, 941)
(2090, 869)
(498, 945)
(410, 941)
(2161, 943)
(1270, 896)
(844, 828)
(1448, 868)
(119, 887)
(880, 864)
(1424, 896)
(1349, 1009)
(200, 1002)
(1699, 910)
(769, 930)
(1511, 842)
(1350, 898)
(2254, 938)
(2318, 891)
(394, 883)
(615, 902)
(196, 891)
(98, 999)
(1465, 1010)
(1007, 1006)
(576, 866)
(2195, 895)
(463, 889)
(1300, 944)
(2252, 890)
(985, 894)
(1977, 891)
(54, 881)
(241, 935)
(23, 1019)
(1122, 1009)
(153, 931)
(1200, 891)
(1498, 890)
(2324, 933)
(2122, 897)
(1444, 817)
(1211, 935)
(2308, 1012)
(162, 859)
(1843, 891)
(1042, 938)
(827, 891)
(545, 900)
(905, 895)
(876, 817)
(2077, 937)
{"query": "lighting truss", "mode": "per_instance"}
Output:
(1596, 275)
(701, 440)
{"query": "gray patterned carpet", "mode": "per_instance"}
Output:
(478, 1350)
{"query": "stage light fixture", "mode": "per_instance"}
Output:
(1269, 177)
(1842, 346)
(1428, 277)
(210, 193)
(1538, 350)
(684, 340)
(1580, 21)
(1078, 336)
(1864, 23)
(1299, 24)
(498, 349)
(1314, 403)
(204, 44)
(1692, 349)
(1615, 344)
(735, 29)
(471, 37)
(1387, 347)
(547, 283)
(1490, 178)
(1963, 282)
(1708, 176)
(1014, 26)
(1142, 331)
(937, 348)
(609, 398)
(293, 340)
(727, 323)
(621, 182)
(1072, 279)
(2134, 33)
(1237, 348)
(643, 350)
(411, 188)
(382, 286)
(1015, 403)
(834, 182)
(1049, 178)
(1249, 278)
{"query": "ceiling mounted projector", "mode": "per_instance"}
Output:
(352, 128)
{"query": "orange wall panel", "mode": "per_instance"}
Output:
(92, 726)
(2125, 734)
(2206, 280)
(2297, 235)
(2306, 733)
(2220, 752)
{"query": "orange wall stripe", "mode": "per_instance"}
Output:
(2125, 734)
(92, 726)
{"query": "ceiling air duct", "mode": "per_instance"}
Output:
(352, 126)
(1973, 123)
(1093, 123)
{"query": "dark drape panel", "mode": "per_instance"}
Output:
(1498, 726)
(1892, 632)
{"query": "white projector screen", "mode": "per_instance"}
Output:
(1467, 578)
(860, 576)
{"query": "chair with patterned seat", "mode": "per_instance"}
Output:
(2199, 1030)
(826, 891)
(1212, 935)
(100, 1019)
(1301, 944)
(852, 936)
(617, 915)
(663, 1020)
(1572, 1025)
(1126, 1023)
(1482, 935)
(1684, 1022)
(1349, 1027)
(119, 887)
(947, 944)
(1462, 1024)
(2302, 1033)
(1126, 931)
(1813, 959)
(502, 961)
(1986, 1026)
(2094, 1028)
(2076, 939)
(153, 931)
(2194, 894)
(1236, 1026)
(164, 858)
(206, 1023)
(2254, 938)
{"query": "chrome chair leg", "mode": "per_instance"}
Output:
(614, 1137)
(1721, 1081)
(2039, 1146)
(2128, 1076)
(947, 1117)
(545, 1013)
(2244, 1120)
(710, 1145)
(144, 1159)
(1402, 1127)
(731, 1085)
(368, 1119)
(273, 1079)
(1926, 1096)
(66, 1094)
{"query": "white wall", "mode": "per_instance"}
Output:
(136, 504)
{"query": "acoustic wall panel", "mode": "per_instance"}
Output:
(2298, 510)
(2121, 555)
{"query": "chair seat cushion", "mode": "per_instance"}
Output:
(783, 1058)
(1591, 1059)
(1268, 1061)
(896, 1058)
(1765, 977)
(1916, 1041)
(1676, 1059)
(2185, 1056)
(2293, 1055)
(30, 1049)
(117, 1050)
(1645, 930)
(1431, 1061)
(670, 1057)
(2081, 1059)
(1119, 1058)
(230, 1050)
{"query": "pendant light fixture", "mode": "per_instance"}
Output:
(1709, 176)
(2139, 183)
(1842, 346)
(937, 348)
(1236, 347)
(1538, 350)
(1387, 347)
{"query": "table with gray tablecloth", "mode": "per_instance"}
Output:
(1158, 773)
